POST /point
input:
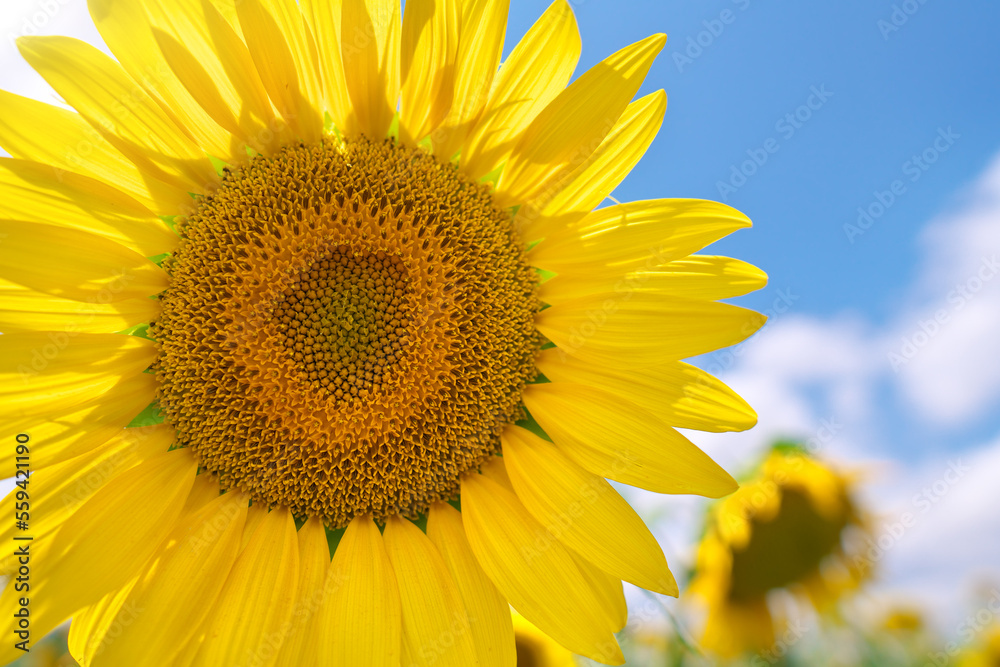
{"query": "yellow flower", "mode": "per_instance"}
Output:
(790, 528)
(903, 619)
(330, 318)
(985, 652)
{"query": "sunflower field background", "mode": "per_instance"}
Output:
(863, 140)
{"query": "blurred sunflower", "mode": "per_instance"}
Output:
(898, 636)
(794, 526)
(294, 239)
(903, 619)
(985, 652)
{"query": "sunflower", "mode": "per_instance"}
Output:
(794, 528)
(903, 620)
(984, 653)
(320, 348)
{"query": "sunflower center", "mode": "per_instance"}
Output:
(344, 321)
(785, 549)
(347, 330)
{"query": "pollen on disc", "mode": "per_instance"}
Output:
(348, 327)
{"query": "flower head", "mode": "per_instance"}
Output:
(322, 349)
(792, 527)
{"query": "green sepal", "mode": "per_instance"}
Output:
(139, 331)
(333, 537)
(150, 416)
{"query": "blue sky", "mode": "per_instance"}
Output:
(883, 90)
(890, 94)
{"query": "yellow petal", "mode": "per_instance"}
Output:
(228, 10)
(33, 130)
(608, 590)
(489, 613)
(363, 617)
(206, 489)
(127, 117)
(537, 70)
(106, 542)
(254, 519)
(695, 277)
(300, 647)
(706, 277)
(91, 625)
(535, 645)
(41, 193)
(102, 623)
(618, 440)
(370, 52)
(637, 329)
(75, 264)
(189, 652)
(534, 571)
(284, 51)
(24, 309)
(435, 624)
(210, 59)
(480, 45)
(45, 373)
(427, 59)
(584, 512)
(620, 239)
(568, 130)
(248, 622)
(171, 600)
(62, 433)
(126, 29)
(58, 491)
(324, 18)
(593, 180)
(497, 471)
(679, 394)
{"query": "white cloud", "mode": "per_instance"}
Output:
(948, 346)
